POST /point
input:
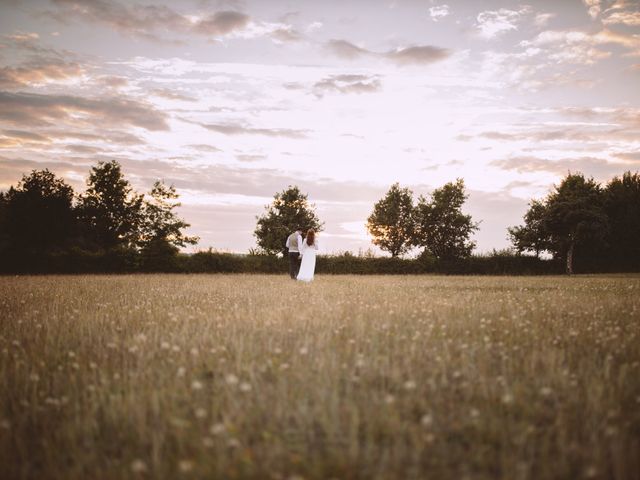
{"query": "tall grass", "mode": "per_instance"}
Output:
(246, 376)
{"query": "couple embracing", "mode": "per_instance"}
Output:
(302, 255)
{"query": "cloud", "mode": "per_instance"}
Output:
(204, 148)
(493, 23)
(149, 21)
(542, 19)
(623, 18)
(413, 55)
(172, 95)
(221, 23)
(438, 12)
(591, 166)
(347, 50)
(247, 158)
(31, 109)
(576, 46)
(347, 84)
(419, 55)
(39, 72)
(593, 7)
(631, 157)
(236, 129)
(286, 35)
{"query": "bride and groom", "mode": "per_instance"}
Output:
(302, 255)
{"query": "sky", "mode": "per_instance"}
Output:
(233, 101)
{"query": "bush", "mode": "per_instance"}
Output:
(120, 260)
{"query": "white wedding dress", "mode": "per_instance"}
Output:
(308, 265)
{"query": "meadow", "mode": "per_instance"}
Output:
(351, 377)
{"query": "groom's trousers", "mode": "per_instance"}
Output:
(294, 264)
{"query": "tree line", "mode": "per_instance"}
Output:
(578, 221)
(43, 215)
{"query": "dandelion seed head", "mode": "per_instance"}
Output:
(185, 466)
(426, 420)
(138, 466)
(409, 385)
(217, 429)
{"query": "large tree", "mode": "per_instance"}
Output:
(38, 213)
(391, 222)
(161, 228)
(441, 227)
(622, 205)
(575, 218)
(289, 210)
(110, 211)
(532, 236)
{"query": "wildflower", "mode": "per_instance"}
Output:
(304, 351)
(545, 391)
(165, 346)
(409, 385)
(217, 429)
(185, 466)
(208, 442)
(426, 420)
(245, 387)
(389, 399)
(196, 385)
(138, 466)
(507, 398)
(201, 413)
(231, 379)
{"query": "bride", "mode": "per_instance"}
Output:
(308, 252)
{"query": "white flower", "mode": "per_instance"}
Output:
(245, 387)
(409, 385)
(217, 429)
(231, 379)
(138, 466)
(196, 385)
(185, 466)
(426, 420)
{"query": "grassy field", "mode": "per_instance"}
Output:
(222, 377)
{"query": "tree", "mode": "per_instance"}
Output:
(289, 210)
(391, 223)
(38, 213)
(622, 206)
(531, 236)
(110, 211)
(161, 229)
(575, 217)
(441, 227)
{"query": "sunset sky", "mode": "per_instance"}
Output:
(232, 101)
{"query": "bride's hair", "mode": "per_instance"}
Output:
(311, 236)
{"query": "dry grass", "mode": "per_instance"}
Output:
(163, 376)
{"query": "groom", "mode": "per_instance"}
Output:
(294, 242)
